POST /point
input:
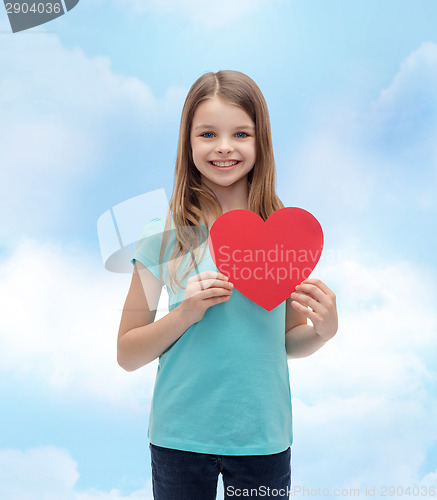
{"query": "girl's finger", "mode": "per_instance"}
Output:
(305, 299)
(304, 310)
(319, 284)
(315, 292)
(209, 275)
(215, 292)
(204, 284)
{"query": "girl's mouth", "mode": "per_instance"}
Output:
(230, 167)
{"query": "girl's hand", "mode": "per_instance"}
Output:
(315, 294)
(203, 291)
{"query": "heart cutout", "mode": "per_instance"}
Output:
(266, 260)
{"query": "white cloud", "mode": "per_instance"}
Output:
(50, 473)
(404, 116)
(359, 158)
(207, 14)
(414, 86)
(60, 113)
(62, 311)
(362, 441)
(430, 480)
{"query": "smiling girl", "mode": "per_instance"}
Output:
(222, 399)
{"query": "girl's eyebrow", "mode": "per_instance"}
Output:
(247, 126)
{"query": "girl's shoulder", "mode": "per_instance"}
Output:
(159, 226)
(151, 239)
(156, 225)
(151, 234)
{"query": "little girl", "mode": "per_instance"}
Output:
(222, 399)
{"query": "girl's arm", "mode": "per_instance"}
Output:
(140, 339)
(302, 339)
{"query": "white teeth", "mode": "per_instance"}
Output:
(224, 163)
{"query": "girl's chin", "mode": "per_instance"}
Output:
(219, 183)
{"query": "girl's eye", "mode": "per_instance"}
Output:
(207, 135)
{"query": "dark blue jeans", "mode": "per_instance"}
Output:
(186, 475)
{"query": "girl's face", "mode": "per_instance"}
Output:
(222, 133)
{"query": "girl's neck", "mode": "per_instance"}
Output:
(233, 197)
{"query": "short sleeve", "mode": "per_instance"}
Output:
(148, 247)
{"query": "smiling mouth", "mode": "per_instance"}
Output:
(224, 164)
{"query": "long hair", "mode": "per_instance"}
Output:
(185, 207)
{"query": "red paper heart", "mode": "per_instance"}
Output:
(266, 260)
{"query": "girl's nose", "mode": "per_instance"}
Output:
(224, 147)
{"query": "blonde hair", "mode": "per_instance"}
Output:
(185, 208)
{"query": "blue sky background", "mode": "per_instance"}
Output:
(89, 113)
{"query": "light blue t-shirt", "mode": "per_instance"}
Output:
(223, 387)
